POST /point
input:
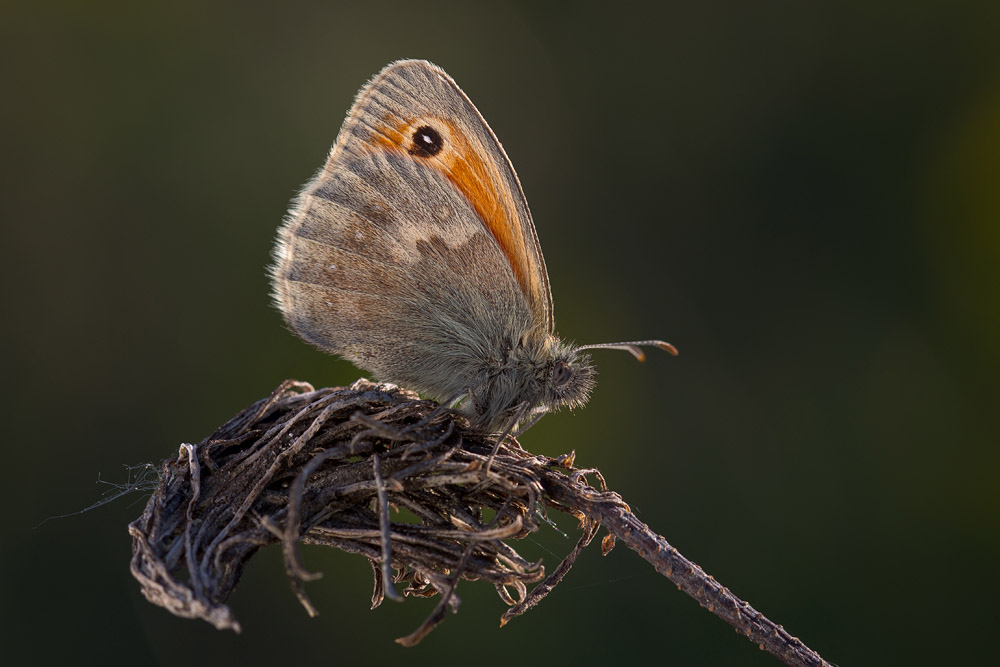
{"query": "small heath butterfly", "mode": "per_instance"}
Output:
(412, 254)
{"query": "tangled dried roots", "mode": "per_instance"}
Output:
(323, 467)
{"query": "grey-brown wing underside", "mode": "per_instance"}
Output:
(385, 263)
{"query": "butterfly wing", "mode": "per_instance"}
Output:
(412, 253)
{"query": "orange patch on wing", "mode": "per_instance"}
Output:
(476, 180)
(479, 183)
(392, 136)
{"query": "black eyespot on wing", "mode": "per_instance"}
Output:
(561, 373)
(427, 142)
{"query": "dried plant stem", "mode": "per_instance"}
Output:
(324, 467)
(610, 511)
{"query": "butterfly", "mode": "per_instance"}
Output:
(413, 255)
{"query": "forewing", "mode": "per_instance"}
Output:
(412, 95)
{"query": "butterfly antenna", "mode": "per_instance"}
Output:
(633, 347)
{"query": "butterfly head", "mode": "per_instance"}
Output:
(569, 375)
(568, 379)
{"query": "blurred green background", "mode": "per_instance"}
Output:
(803, 197)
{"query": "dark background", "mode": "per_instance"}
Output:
(803, 197)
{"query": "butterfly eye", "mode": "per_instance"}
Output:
(427, 142)
(561, 373)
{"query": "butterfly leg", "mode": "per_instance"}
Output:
(518, 413)
(394, 433)
(449, 404)
(456, 398)
(534, 416)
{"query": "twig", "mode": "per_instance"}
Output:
(384, 531)
(324, 467)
